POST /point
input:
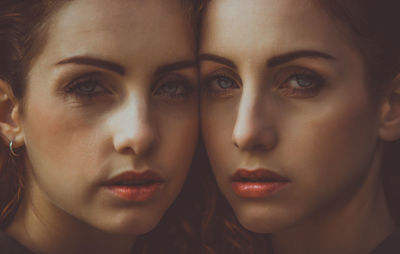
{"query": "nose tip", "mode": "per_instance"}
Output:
(254, 138)
(134, 130)
(140, 140)
(255, 127)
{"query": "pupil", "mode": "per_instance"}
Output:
(225, 82)
(170, 88)
(87, 87)
(303, 81)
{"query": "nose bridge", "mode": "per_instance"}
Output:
(135, 128)
(255, 121)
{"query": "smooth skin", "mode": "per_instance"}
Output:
(113, 89)
(285, 89)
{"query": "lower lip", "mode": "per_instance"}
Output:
(257, 189)
(135, 193)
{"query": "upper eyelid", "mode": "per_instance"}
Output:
(95, 75)
(284, 74)
(170, 78)
(313, 78)
(76, 82)
(223, 72)
(304, 74)
(76, 85)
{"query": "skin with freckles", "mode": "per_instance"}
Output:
(113, 90)
(284, 89)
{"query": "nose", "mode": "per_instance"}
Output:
(135, 130)
(255, 127)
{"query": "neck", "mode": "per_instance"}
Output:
(355, 227)
(43, 229)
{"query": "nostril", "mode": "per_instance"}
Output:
(254, 146)
(126, 150)
(260, 147)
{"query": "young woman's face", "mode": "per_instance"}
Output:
(110, 116)
(289, 126)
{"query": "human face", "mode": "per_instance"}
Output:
(112, 91)
(284, 93)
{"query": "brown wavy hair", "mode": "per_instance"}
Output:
(23, 31)
(373, 27)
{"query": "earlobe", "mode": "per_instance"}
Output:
(10, 125)
(390, 125)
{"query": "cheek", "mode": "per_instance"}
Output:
(217, 127)
(334, 142)
(60, 142)
(47, 131)
(178, 133)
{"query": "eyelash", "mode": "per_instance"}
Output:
(93, 82)
(182, 90)
(315, 80)
(219, 91)
(183, 85)
(316, 84)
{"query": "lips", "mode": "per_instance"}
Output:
(135, 186)
(257, 183)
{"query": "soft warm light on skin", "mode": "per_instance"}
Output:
(325, 140)
(75, 144)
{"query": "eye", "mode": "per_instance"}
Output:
(301, 81)
(170, 88)
(175, 89)
(224, 82)
(86, 87)
(220, 85)
(305, 84)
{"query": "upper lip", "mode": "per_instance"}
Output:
(260, 174)
(135, 177)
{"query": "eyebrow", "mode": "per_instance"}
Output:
(281, 59)
(217, 59)
(108, 65)
(274, 61)
(104, 64)
(175, 66)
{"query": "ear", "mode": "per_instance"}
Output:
(390, 125)
(10, 125)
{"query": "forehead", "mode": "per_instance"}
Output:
(143, 14)
(279, 25)
(119, 28)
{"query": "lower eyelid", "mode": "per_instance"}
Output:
(301, 92)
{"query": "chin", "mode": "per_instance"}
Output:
(259, 225)
(262, 220)
(135, 225)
